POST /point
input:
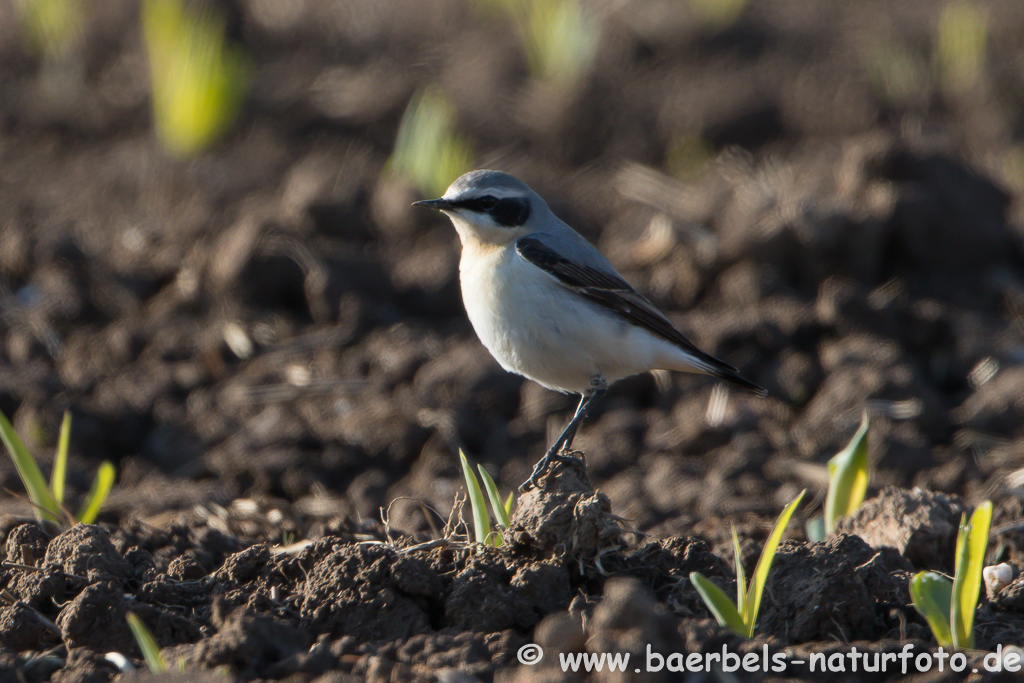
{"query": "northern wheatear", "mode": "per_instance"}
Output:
(550, 307)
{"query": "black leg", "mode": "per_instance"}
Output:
(564, 441)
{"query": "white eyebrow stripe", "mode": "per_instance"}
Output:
(496, 192)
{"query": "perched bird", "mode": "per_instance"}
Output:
(550, 307)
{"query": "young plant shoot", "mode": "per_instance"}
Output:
(949, 607)
(741, 616)
(48, 501)
(147, 644)
(199, 78)
(848, 475)
(481, 519)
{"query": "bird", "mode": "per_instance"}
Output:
(550, 307)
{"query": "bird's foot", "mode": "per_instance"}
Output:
(542, 467)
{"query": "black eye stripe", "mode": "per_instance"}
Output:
(511, 212)
(478, 204)
(508, 212)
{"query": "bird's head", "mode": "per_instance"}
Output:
(490, 207)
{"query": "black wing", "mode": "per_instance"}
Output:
(615, 294)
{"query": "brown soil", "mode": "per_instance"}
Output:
(849, 237)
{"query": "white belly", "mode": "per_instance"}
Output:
(535, 327)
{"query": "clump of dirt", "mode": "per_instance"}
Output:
(1011, 598)
(22, 629)
(565, 519)
(838, 590)
(26, 544)
(86, 551)
(365, 591)
(921, 525)
(95, 619)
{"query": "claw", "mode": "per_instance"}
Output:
(538, 470)
(544, 463)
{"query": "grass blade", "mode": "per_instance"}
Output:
(481, 520)
(764, 565)
(150, 650)
(101, 486)
(46, 508)
(971, 544)
(719, 603)
(508, 504)
(960, 560)
(497, 506)
(741, 578)
(848, 474)
(60, 460)
(932, 594)
(977, 544)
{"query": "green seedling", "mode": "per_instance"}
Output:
(741, 616)
(429, 152)
(848, 475)
(560, 40)
(559, 37)
(481, 519)
(50, 26)
(718, 14)
(198, 78)
(150, 650)
(502, 510)
(897, 74)
(687, 156)
(48, 501)
(949, 607)
(960, 45)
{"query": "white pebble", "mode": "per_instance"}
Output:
(997, 577)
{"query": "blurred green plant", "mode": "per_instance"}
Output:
(559, 37)
(741, 616)
(896, 74)
(50, 26)
(198, 78)
(429, 152)
(48, 501)
(155, 662)
(961, 42)
(482, 531)
(688, 156)
(848, 475)
(949, 607)
(718, 14)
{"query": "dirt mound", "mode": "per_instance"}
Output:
(398, 608)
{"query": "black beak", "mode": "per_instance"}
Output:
(438, 204)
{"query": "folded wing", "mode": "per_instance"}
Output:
(615, 294)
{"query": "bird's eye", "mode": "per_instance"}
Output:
(487, 202)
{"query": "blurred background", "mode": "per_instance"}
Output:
(208, 255)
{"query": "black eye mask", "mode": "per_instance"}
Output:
(509, 212)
